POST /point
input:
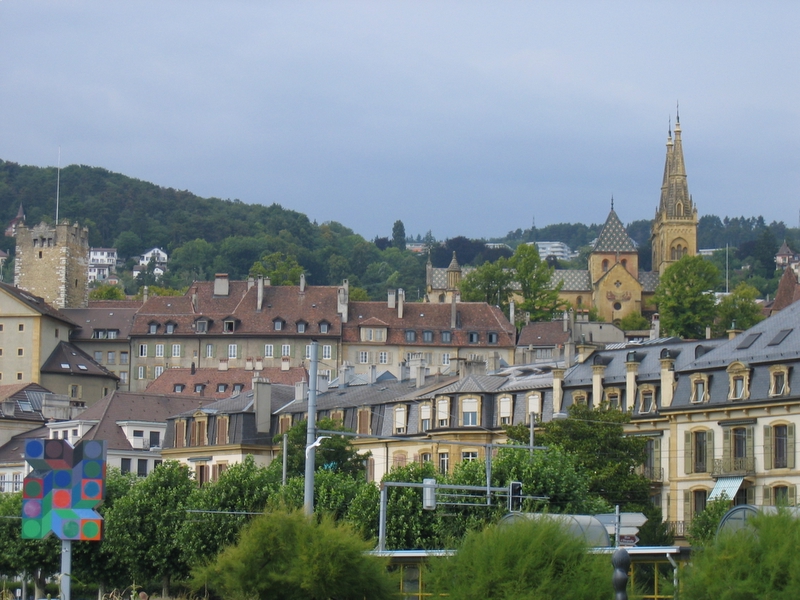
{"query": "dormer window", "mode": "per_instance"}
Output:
(178, 388)
(738, 377)
(201, 326)
(277, 324)
(427, 337)
(170, 328)
(228, 326)
(492, 337)
(779, 380)
(199, 387)
(473, 337)
(700, 388)
(447, 337)
(301, 327)
(411, 336)
(238, 387)
(152, 328)
(324, 327)
(221, 387)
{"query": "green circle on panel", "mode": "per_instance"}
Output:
(90, 530)
(92, 469)
(70, 529)
(33, 488)
(31, 529)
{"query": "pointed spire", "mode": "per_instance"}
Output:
(613, 237)
(675, 198)
(612, 201)
(454, 266)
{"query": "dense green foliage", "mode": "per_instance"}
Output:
(524, 561)
(739, 309)
(760, 561)
(286, 556)
(684, 296)
(703, 527)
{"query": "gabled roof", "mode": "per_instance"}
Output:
(68, 359)
(101, 317)
(613, 237)
(242, 403)
(35, 302)
(27, 399)
(212, 378)
(545, 333)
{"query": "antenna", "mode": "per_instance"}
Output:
(58, 181)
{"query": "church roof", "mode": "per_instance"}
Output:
(572, 280)
(613, 237)
(674, 188)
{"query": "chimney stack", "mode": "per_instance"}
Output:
(343, 300)
(301, 391)
(302, 282)
(401, 296)
(453, 313)
(250, 282)
(221, 287)
(392, 298)
(194, 299)
(262, 403)
(511, 312)
(373, 373)
(260, 302)
(145, 293)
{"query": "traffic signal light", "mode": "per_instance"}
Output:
(514, 496)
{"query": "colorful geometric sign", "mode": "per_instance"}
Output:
(60, 494)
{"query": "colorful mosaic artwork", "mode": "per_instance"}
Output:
(65, 486)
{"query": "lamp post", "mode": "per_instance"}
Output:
(311, 433)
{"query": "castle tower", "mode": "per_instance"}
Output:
(674, 232)
(53, 262)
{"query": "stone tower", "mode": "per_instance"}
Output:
(53, 262)
(674, 232)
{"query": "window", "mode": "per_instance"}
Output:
(159, 350)
(98, 356)
(447, 337)
(268, 350)
(699, 499)
(22, 327)
(737, 391)
(123, 377)
(228, 326)
(112, 358)
(647, 401)
(176, 350)
(178, 388)
(443, 412)
(123, 358)
(233, 350)
(473, 337)
(138, 433)
(221, 387)
(698, 451)
(400, 419)
(237, 388)
(469, 456)
(699, 388)
(779, 446)
(170, 328)
(19, 376)
(363, 357)
(198, 388)
(425, 457)
(326, 352)
(301, 327)
(141, 373)
(201, 326)
(158, 371)
(142, 350)
(20, 352)
(125, 465)
(74, 391)
(411, 336)
(427, 337)
(738, 375)
(504, 411)
(277, 324)
(209, 350)
(155, 439)
(152, 328)
(324, 327)
(444, 462)
(469, 412)
(534, 406)
(383, 358)
(112, 334)
(286, 350)
(492, 337)
(779, 377)
(425, 417)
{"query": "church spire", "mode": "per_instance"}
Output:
(675, 199)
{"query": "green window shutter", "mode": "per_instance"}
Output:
(727, 457)
(687, 506)
(688, 463)
(238, 351)
(749, 441)
(751, 495)
(767, 500)
(790, 446)
(709, 451)
(767, 447)
(167, 350)
(792, 493)
(657, 455)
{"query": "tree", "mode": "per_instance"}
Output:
(286, 556)
(533, 275)
(491, 282)
(280, 268)
(684, 296)
(634, 321)
(526, 560)
(142, 525)
(399, 235)
(739, 307)
(704, 525)
(128, 244)
(106, 291)
(597, 440)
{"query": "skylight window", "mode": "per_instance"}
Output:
(748, 341)
(25, 406)
(780, 336)
(65, 365)
(83, 367)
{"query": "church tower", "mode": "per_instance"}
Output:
(674, 232)
(53, 262)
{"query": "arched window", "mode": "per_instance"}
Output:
(605, 265)
(679, 209)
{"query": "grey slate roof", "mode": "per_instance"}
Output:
(613, 237)
(68, 359)
(574, 280)
(648, 280)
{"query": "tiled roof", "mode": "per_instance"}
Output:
(546, 333)
(213, 378)
(648, 280)
(314, 305)
(112, 304)
(418, 316)
(613, 237)
(281, 396)
(130, 406)
(101, 317)
(574, 280)
(784, 250)
(788, 291)
(35, 302)
(69, 359)
(27, 398)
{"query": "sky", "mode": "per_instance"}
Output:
(462, 118)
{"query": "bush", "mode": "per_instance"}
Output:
(531, 560)
(287, 556)
(759, 561)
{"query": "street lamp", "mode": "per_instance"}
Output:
(316, 443)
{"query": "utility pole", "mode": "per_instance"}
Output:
(311, 434)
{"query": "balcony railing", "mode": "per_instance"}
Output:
(678, 528)
(139, 443)
(651, 473)
(734, 466)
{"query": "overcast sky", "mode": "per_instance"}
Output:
(463, 118)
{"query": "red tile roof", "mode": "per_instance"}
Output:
(545, 333)
(212, 378)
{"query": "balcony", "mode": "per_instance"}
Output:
(734, 466)
(139, 443)
(678, 528)
(654, 474)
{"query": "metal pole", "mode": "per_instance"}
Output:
(382, 518)
(285, 458)
(616, 526)
(533, 424)
(66, 568)
(488, 449)
(311, 434)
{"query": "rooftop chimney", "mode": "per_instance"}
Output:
(302, 282)
(262, 403)
(250, 282)
(145, 293)
(267, 281)
(404, 371)
(8, 407)
(194, 299)
(260, 302)
(345, 375)
(392, 298)
(194, 368)
(511, 313)
(221, 284)
(373, 373)
(301, 391)
(343, 299)
(453, 313)
(322, 383)
(401, 296)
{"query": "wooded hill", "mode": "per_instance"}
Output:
(208, 235)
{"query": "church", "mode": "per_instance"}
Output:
(613, 285)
